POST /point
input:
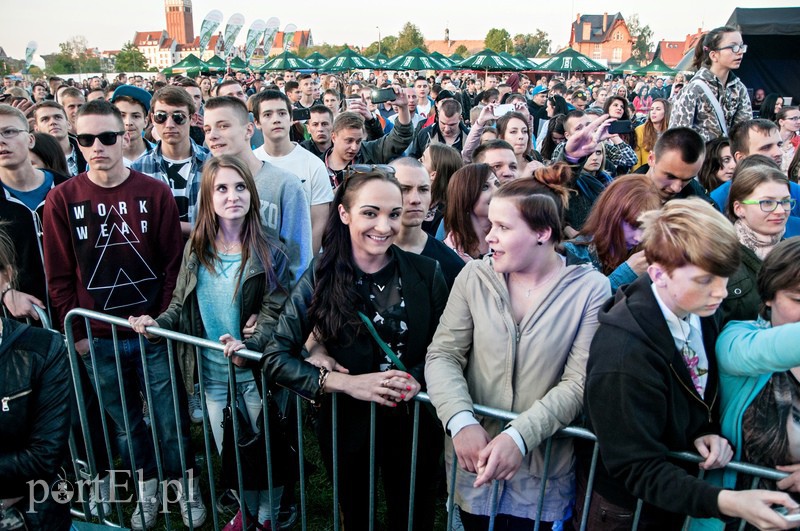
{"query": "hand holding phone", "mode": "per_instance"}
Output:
(620, 127)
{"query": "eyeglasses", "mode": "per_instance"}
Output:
(179, 118)
(11, 132)
(735, 48)
(108, 138)
(769, 205)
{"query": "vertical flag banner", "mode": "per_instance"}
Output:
(288, 36)
(207, 29)
(253, 34)
(269, 34)
(29, 51)
(232, 30)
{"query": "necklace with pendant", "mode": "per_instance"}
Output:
(226, 248)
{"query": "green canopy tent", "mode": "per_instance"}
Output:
(455, 58)
(286, 61)
(347, 59)
(524, 60)
(628, 67)
(190, 65)
(415, 59)
(216, 64)
(522, 65)
(447, 62)
(489, 61)
(316, 59)
(657, 67)
(379, 59)
(237, 63)
(570, 60)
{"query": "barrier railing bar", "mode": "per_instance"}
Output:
(412, 486)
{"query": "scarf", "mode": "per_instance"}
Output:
(759, 244)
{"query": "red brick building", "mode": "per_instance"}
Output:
(671, 52)
(602, 37)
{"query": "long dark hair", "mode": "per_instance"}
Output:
(445, 161)
(463, 191)
(50, 152)
(555, 125)
(332, 307)
(252, 236)
(713, 163)
(767, 109)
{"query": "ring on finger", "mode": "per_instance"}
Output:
(385, 383)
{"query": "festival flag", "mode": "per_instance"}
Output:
(232, 30)
(269, 34)
(288, 36)
(29, 51)
(253, 34)
(207, 29)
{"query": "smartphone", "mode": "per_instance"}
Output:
(792, 516)
(620, 127)
(298, 115)
(349, 101)
(502, 110)
(383, 95)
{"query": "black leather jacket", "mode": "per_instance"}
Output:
(34, 418)
(425, 292)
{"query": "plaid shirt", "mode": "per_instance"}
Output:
(152, 164)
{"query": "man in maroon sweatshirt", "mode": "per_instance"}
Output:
(113, 244)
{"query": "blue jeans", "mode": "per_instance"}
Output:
(162, 409)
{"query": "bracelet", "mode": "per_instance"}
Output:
(323, 378)
(3, 293)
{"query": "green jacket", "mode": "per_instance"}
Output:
(743, 302)
(258, 297)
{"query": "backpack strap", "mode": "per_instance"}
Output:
(714, 104)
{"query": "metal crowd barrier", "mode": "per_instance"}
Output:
(87, 468)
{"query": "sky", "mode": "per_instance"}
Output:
(108, 25)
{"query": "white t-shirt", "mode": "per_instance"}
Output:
(307, 167)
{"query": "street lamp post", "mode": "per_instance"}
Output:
(379, 38)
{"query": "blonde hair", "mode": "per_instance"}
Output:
(690, 232)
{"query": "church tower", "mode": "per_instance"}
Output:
(180, 25)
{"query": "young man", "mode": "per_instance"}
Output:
(500, 156)
(176, 160)
(349, 148)
(112, 244)
(652, 383)
(415, 184)
(292, 91)
(285, 210)
(50, 117)
(71, 98)
(755, 137)
(618, 153)
(673, 164)
(234, 88)
(320, 127)
(307, 99)
(447, 129)
(22, 199)
(134, 106)
(273, 113)
(424, 101)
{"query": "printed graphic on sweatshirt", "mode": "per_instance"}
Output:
(113, 267)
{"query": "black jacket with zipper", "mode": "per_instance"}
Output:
(25, 230)
(35, 385)
(641, 403)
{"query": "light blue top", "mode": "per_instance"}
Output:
(221, 314)
(748, 354)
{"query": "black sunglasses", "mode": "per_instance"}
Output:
(109, 138)
(179, 118)
(355, 169)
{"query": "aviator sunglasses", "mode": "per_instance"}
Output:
(179, 118)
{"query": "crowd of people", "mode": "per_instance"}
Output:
(610, 253)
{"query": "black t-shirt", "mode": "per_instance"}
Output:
(451, 263)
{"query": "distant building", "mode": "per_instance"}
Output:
(671, 52)
(602, 37)
(163, 48)
(448, 47)
(180, 25)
